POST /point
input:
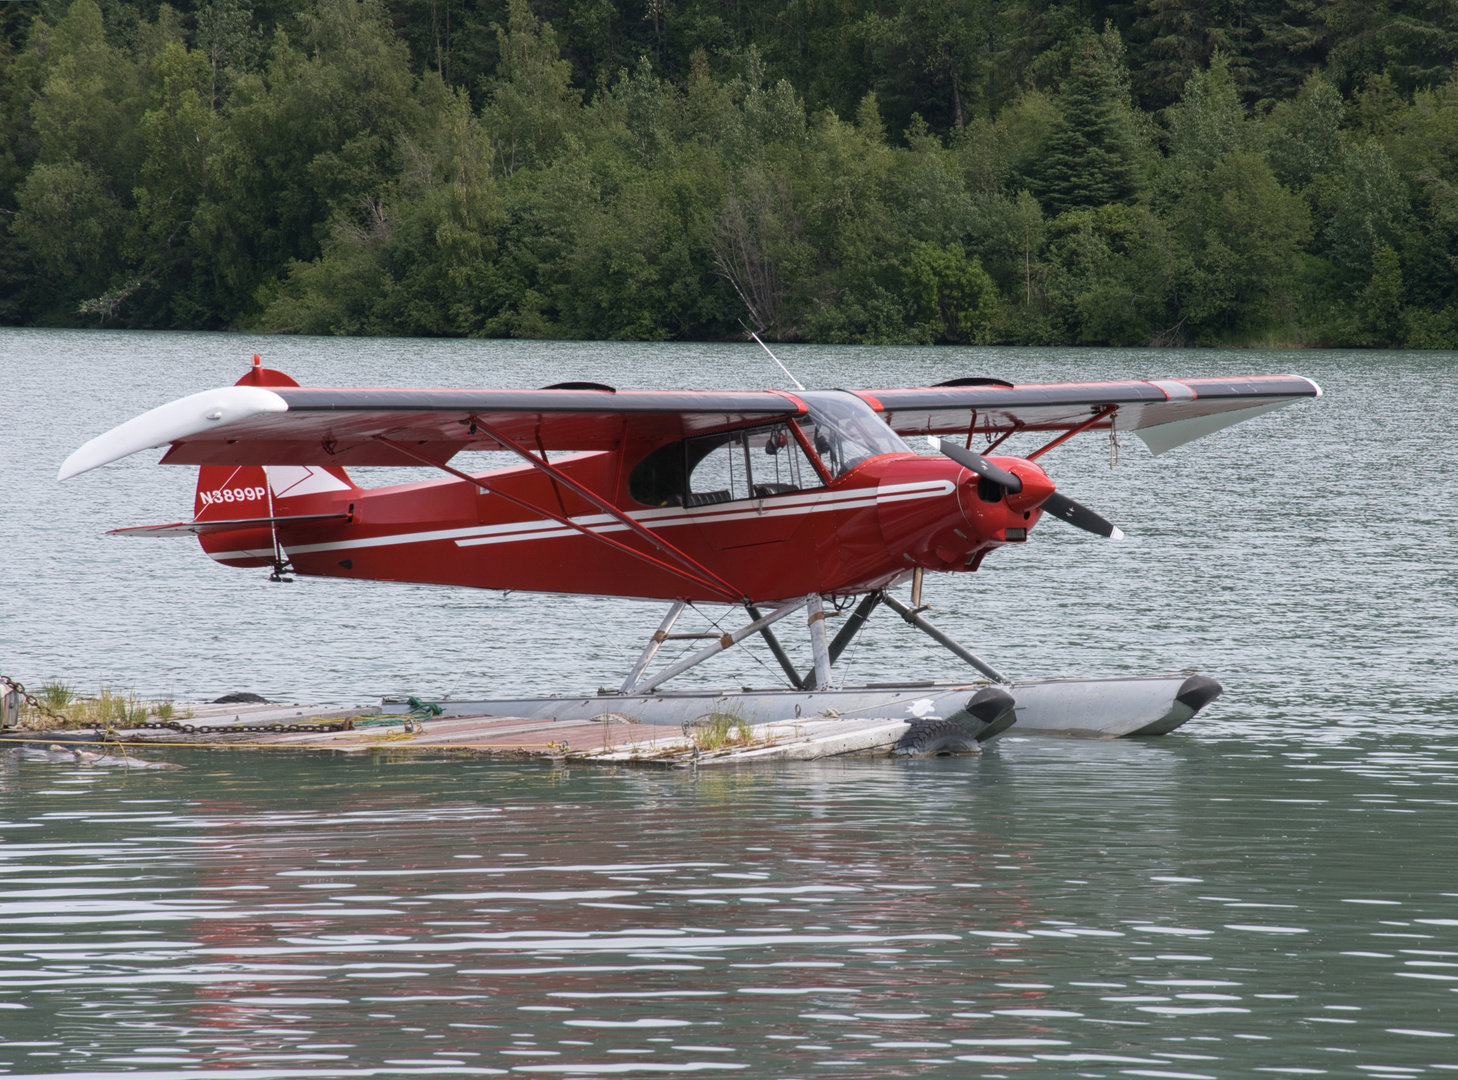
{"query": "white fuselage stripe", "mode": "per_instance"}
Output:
(667, 517)
(224, 556)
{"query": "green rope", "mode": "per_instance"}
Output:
(419, 710)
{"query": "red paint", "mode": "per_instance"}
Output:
(865, 529)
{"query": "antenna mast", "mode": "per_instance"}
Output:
(775, 358)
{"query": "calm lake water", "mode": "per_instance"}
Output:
(1269, 891)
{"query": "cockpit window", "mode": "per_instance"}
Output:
(657, 480)
(845, 431)
(750, 463)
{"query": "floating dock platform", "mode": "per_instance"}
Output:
(693, 729)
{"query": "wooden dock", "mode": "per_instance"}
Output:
(610, 738)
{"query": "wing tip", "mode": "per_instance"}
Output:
(171, 422)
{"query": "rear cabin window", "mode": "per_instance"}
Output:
(753, 463)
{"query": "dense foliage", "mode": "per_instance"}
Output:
(1090, 171)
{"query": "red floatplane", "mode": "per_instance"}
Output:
(762, 499)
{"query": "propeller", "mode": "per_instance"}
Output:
(976, 463)
(1080, 516)
(1057, 504)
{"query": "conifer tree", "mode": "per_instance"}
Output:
(1092, 156)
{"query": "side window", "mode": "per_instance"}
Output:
(757, 463)
(780, 464)
(718, 468)
(657, 480)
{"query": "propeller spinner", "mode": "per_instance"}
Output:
(1057, 504)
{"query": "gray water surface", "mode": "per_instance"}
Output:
(1268, 891)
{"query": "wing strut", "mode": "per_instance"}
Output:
(560, 519)
(606, 507)
(1105, 413)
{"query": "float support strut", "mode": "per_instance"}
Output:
(715, 649)
(853, 625)
(916, 619)
(817, 641)
(776, 648)
(651, 649)
(847, 633)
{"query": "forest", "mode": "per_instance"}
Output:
(1269, 173)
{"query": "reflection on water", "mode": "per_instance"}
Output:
(1165, 908)
(1266, 892)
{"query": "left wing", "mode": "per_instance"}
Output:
(1165, 413)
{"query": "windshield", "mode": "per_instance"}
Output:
(845, 431)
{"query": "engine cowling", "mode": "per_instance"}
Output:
(973, 516)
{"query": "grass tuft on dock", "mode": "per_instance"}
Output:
(107, 708)
(720, 731)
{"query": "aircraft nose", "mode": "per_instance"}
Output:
(1036, 485)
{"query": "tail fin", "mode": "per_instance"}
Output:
(230, 492)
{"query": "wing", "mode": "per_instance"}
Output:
(1164, 413)
(254, 425)
(251, 425)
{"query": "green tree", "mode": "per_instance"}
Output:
(1379, 304)
(1366, 209)
(1092, 156)
(1302, 137)
(1244, 234)
(1413, 42)
(1115, 277)
(74, 207)
(178, 130)
(227, 36)
(954, 299)
(1208, 122)
(531, 105)
(310, 139)
(419, 263)
(73, 225)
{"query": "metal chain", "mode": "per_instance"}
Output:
(31, 700)
(223, 729)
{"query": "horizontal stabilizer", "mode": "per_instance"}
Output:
(197, 528)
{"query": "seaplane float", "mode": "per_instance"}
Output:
(775, 502)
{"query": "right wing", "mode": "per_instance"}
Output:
(253, 425)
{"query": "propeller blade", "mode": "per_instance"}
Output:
(1080, 516)
(1057, 504)
(976, 463)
